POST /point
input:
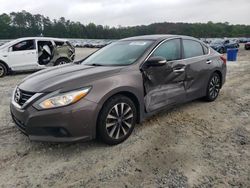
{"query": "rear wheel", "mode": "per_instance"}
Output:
(213, 88)
(3, 70)
(62, 61)
(116, 120)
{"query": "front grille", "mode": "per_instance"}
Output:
(21, 96)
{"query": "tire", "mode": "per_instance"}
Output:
(62, 61)
(213, 87)
(3, 70)
(114, 124)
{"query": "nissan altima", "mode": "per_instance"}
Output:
(120, 85)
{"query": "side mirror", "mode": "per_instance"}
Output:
(156, 61)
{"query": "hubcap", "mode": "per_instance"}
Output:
(214, 87)
(119, 120)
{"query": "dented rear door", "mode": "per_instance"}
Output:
(198, 65)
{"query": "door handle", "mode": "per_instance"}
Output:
(179, 70)
(208, 61)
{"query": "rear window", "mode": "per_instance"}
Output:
(69, 44)
(192, 48)
(59, 43)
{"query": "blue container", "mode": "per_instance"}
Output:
(232, 54)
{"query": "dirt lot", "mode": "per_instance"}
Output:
(198, 144)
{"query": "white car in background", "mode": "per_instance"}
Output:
(34, 53)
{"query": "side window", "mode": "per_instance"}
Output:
(171, 50)
(24, 45)
(192, 48)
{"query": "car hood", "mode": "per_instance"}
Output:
(1, 50)
(66, 77)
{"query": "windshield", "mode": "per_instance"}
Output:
(8, 44)
(119, 53)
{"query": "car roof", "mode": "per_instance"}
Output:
(158, 37)
(41, 38)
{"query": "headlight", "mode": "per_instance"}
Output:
(64, 99)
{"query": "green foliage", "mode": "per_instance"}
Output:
(24, 24)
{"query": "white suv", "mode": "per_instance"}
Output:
(35, 53)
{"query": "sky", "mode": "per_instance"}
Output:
(135, 12)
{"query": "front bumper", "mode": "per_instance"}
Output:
(72, 123)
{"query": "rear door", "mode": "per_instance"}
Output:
(164, 85)
(23, 55)
(198, 64)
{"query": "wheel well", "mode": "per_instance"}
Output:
(133, 98)
(8, 69)
(220, 75)
(63, 58)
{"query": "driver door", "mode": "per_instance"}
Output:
(164, 85)
(23, 55)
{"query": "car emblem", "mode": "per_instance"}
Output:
(17, 96)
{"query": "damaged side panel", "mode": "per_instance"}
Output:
(163, 86)
(50, 52)
(163, 96)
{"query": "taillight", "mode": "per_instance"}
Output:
(223, 59)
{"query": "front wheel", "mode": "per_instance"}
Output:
(3, 70)
(213, 88)
(116, 120)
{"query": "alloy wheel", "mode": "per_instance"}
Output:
(119, 120)
(214, 87)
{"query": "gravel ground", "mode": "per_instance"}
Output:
(197, 144)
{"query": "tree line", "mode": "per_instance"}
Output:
(25, 24)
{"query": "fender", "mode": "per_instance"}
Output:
(8, 68)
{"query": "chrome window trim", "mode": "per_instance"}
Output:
(165, 40)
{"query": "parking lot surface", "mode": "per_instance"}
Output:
(198, 144)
